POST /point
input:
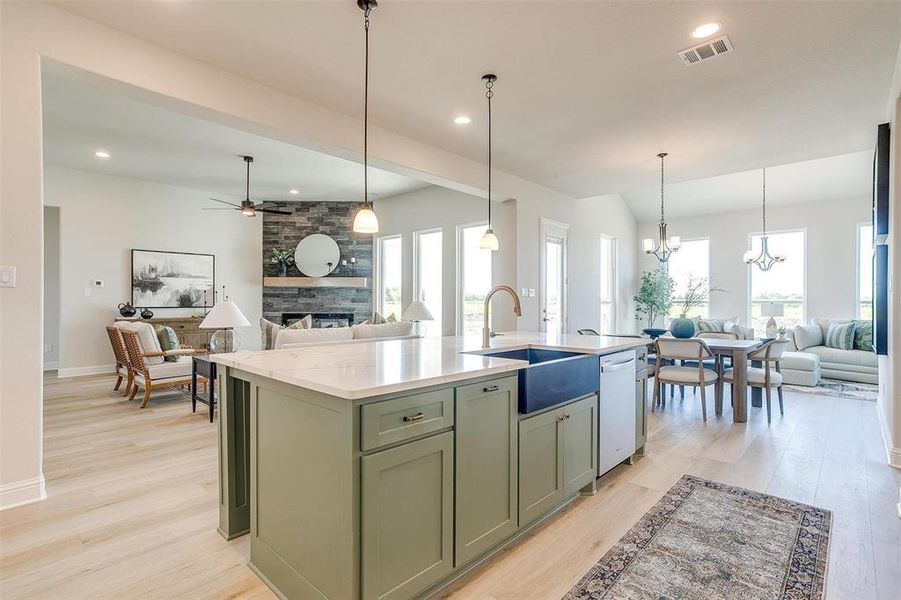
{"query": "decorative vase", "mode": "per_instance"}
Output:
(283, 269)
(146, 314)
(653, 332)
(682, 328)
(127, 310)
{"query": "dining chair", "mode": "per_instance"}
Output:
(675, 349)
(766, 377)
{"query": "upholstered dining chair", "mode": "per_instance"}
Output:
(766, 377)
(674, 349)
(148, 363)
(123, 370)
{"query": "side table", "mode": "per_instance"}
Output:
(202, 366)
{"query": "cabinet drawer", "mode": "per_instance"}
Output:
(400, 419)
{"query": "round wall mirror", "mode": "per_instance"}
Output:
(317, 255)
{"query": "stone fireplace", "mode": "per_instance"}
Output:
(285, 231)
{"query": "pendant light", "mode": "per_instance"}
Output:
(489, 240)
(365, 220)
(763, 259)
(664, 246)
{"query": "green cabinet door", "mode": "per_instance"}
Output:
(486, 465)
(407, 517)
(580, 444)
(540, 464)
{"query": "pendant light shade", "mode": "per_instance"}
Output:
(664, 246)
(489, 240)
(365, 220)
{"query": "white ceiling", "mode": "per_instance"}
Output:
(588, 92)
(844, 177)
(154, 144)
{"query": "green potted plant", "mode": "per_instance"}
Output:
(284, 258)
(697, 292)
(654, 298)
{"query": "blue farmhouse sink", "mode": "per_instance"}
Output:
(552, 377)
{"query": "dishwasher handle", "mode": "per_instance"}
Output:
(613, 367)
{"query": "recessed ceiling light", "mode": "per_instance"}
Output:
(705, 30)
(102, 154)
(462, 120)
(293, 192)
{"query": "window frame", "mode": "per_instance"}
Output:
(378, 274)
(748, 298)
(417, 292)
(614, 278)
(677, 300)
(858, 302)
(461, 270)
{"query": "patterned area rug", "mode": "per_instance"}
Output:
(842, 389)
(707, 540)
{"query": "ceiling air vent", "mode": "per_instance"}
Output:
(707, 50)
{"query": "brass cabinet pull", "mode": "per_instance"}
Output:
(414, 418)
(564, 417)
(490, 388)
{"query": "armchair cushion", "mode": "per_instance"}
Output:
(168, 340)
(807, 336)
(149, 342)
(756, 375)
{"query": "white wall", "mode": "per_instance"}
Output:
(103, 218)
(51, 287)
(831, 252)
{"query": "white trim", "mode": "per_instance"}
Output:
(546, 224)
(614, 278)
(377, 272)
(51, 366)
(83, 371)
(892, 454)
(22, 492)
(417, 291)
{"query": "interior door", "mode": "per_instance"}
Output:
(554, 282)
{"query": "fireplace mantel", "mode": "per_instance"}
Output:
(316, 282)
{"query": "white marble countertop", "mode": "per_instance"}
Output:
(372, 368)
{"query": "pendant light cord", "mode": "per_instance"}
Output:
(247, 181)
(764, 202)
(489, 94)
(366, 202)
(662, 155)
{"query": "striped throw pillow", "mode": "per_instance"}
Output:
(840, 336)
(270, 330)
(709, 325)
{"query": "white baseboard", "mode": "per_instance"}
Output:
(892, 453)
(51, 366)
(22, 492)
(82, 371)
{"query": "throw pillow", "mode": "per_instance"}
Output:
(270, 330)
(709, 325)
(168, 340)
(395, 329)
(738, 331)
(840, 336)
(807, 336)
(377, 319)
(863, 335)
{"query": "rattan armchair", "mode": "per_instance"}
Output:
(156, 374)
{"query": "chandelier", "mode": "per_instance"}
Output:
(664, 246)
(763, 259)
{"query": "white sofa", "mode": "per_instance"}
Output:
(293, 338)
(833, 363)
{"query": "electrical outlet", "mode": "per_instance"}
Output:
(7, 277)
(86, 292)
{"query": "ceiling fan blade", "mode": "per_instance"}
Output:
(217, 208)
(224, 202)
(272, 211)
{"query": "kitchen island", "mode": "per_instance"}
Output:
(385, 469)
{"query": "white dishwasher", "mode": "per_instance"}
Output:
(616, 414)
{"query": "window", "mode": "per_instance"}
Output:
(690, 270)
(389, 257)
(608, 284)
(427, 278)
(865, 271)
(474, 280)
(783, 285)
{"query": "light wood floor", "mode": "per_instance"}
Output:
(132, 506)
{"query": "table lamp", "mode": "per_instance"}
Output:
(772, 309)
(416, 312)
(225, 316)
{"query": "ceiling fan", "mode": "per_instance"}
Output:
(247, 207)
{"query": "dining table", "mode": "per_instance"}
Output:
(738, 351)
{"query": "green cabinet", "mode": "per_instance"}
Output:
(557, 456)
(486, 466)
(407, 517)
